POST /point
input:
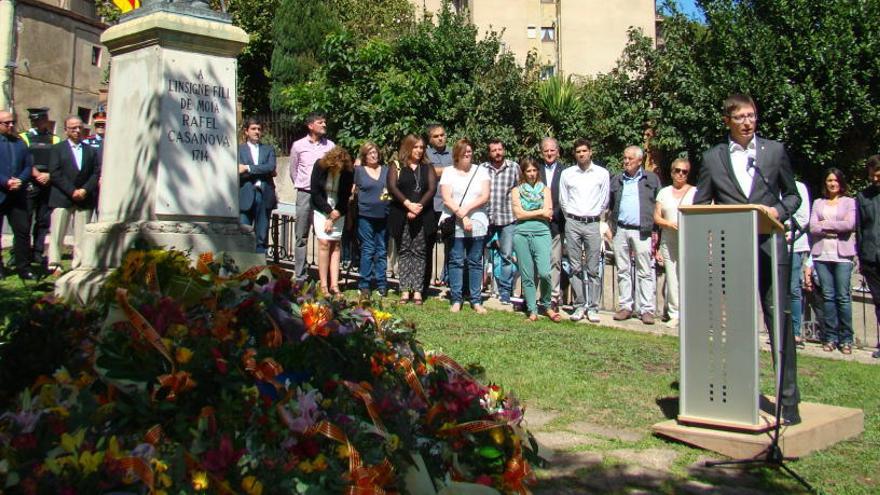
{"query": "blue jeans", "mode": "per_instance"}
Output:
(796, 300)
(835, 281)
(470, 249)
(505, 243)
(374, 254)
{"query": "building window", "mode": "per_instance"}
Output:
(548, 71)
(502, 47)
(532, 32)
(548, 1)
(548, 34)
(96, 56)
(84, 113)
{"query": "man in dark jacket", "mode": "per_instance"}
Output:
(868, 239)
(74, 169)
(633, 194)
(15, 173)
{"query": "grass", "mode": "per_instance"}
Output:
(619, 379)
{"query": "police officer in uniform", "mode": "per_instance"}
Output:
(39, 139)
(96, 140)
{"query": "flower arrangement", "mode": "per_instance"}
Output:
(200, 380)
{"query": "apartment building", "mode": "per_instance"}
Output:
(52, 57)
(580, 37)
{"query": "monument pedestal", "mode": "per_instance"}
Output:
(170, 167)
(821, 426)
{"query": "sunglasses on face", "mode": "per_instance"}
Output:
(680, 171)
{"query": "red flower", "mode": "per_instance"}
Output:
(220, 361)
(315, 317)
(26, 441)
(307, 448)
(223, 457)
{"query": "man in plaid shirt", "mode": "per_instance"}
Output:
(505, 176)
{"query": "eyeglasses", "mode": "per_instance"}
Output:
(739, 119)
(680, 171)
(8, 123)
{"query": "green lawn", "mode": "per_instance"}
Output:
(618, 378)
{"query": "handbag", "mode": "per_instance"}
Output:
(447, 226)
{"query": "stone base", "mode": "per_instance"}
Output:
(105, 243)
(821, 426)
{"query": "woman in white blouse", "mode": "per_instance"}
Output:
(669, 198)
(465, 192)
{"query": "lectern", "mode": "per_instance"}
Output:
(721, 314)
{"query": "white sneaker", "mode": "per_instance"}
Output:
(672, 323)
(578, 315)
(593, 317)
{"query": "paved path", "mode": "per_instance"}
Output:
(589, 458)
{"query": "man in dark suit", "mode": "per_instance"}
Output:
(748, 169)
(15, 173)
(74, 169)
(550, 174)
(256, 172)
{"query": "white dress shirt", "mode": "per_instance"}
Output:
(77, 150)
(584, 193)
(255, 156)
(739, 158)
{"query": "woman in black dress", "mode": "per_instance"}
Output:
(411, 182)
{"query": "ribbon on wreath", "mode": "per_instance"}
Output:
(412, 378)
(176, 383)
(365, 480)
(138, 467)
(143, 326)
(364, 395)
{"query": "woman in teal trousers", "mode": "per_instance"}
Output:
(533, 209)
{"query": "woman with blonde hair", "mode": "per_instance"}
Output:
(411, 183)
(332, 179)
(680, 193)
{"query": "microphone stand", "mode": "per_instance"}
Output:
(773, 455)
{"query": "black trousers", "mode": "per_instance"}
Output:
(790, 394)
(14, 208)
(39, 216)
(871, 271)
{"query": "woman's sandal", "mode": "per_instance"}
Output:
(404, 297)
(533, 317)
(828, 347)
(846, 349)
(554, 316)
(417, 299)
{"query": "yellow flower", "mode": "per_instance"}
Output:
(159, 466)
(305, 466)
(113, 448)
(182, 355)
(200, 480)
(90, 461)
(326, 403)
(168, 343)
(62, 376)
(72, 442)
(165, 480)
(393, 442)
(251, 485)
(177, 330)
(342, 451)
(320, 463)
(497, 435)
(381, 316)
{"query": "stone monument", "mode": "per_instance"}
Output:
(170, 175)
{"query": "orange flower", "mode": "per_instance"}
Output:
(315, 317)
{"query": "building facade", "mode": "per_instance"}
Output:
(53, 58)
(568, 37)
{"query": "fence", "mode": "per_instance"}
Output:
(282, 238)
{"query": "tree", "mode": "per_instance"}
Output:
(298, 33)
(254, 62)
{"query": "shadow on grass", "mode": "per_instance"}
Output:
(587, 472)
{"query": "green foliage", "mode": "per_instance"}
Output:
(386, 88)
(368, 19)
(254, 62)
(298, 35)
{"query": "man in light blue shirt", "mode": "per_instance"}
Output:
(633, 194)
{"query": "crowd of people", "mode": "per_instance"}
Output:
(539, 216)
(46, 180)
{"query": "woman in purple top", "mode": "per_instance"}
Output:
(832, 233)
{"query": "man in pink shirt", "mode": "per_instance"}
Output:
(303, 155)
